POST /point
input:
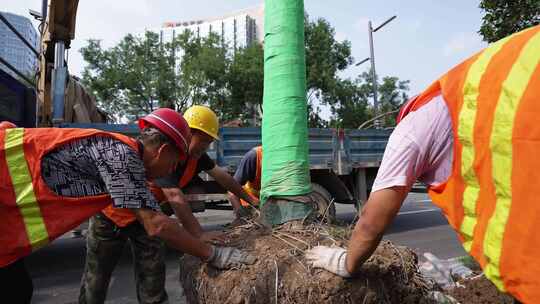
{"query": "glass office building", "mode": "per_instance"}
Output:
(13, 50)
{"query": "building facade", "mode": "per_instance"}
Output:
(13, 50)
(238, 29)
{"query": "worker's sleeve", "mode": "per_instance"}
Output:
(247, 168)
(205, 163)
(401, 163)
(123, 174)
(420, 148)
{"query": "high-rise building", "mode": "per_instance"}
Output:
(13, 50)
(238, 29)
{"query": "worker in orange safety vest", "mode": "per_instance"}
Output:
(51, 180)
(248, 174)
(473, 137)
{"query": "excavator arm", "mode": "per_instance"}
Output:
(57, 31)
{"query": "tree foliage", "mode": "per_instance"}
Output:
(132, 78)
(503, 17)
(351, 102)
(140, 74)
(325, 57)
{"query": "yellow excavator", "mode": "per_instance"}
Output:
(59, 97)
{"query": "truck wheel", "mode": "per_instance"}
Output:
(325, 205)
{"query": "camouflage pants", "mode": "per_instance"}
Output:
(104, 246)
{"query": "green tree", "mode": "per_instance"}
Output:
(351, 105)
(132, 78)
(204, 67)
(246, 83)
(140, 73)
(325, 58)
(503, 17)
(392, 94)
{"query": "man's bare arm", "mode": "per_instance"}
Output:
(230, 184)
(378, 213)
(182, 210)
(159, 225)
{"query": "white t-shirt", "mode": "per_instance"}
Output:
(420, 148)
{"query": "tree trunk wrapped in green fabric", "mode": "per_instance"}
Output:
(285, 168)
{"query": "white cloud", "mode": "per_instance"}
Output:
(462, 43)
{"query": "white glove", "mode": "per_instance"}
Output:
(329, 258)
(227, 257)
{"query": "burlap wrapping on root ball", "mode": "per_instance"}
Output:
(389, 276)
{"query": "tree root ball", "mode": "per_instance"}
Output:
(282, 275)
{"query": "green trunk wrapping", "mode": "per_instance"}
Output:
(285, 168)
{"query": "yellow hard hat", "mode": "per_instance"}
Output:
(204, 119)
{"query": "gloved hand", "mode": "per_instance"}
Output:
(227, 257)
(329, 258)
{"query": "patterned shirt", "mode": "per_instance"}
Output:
(98, 165)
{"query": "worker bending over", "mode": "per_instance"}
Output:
(51, 180)
(473, 137)
(110, 229)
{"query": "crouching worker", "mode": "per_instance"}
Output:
(248, 174)
(51, 180)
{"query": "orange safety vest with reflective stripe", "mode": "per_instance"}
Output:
(253, 187)
(491, 196)
(123, 217)
(32, 215)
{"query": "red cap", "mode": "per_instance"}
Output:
(172, 124)
(7, 125)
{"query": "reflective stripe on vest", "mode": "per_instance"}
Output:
(501, 147)
(33, 214)
(490, 197)
(467, 118)
(24, 189)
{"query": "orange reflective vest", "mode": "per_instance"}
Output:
(253, 187)
(490, 198)
(32, 215)
(123, 217)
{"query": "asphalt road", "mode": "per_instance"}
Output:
(56, 269)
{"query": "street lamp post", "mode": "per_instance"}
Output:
(377, 122)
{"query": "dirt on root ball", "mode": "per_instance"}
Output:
(389, 276)
(479, 290)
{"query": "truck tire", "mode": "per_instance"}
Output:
(325, 205)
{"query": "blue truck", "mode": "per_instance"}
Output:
(343, 163)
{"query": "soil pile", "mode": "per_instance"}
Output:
(479, 290)
(281, 274)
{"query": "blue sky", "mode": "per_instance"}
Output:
(426, 39)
